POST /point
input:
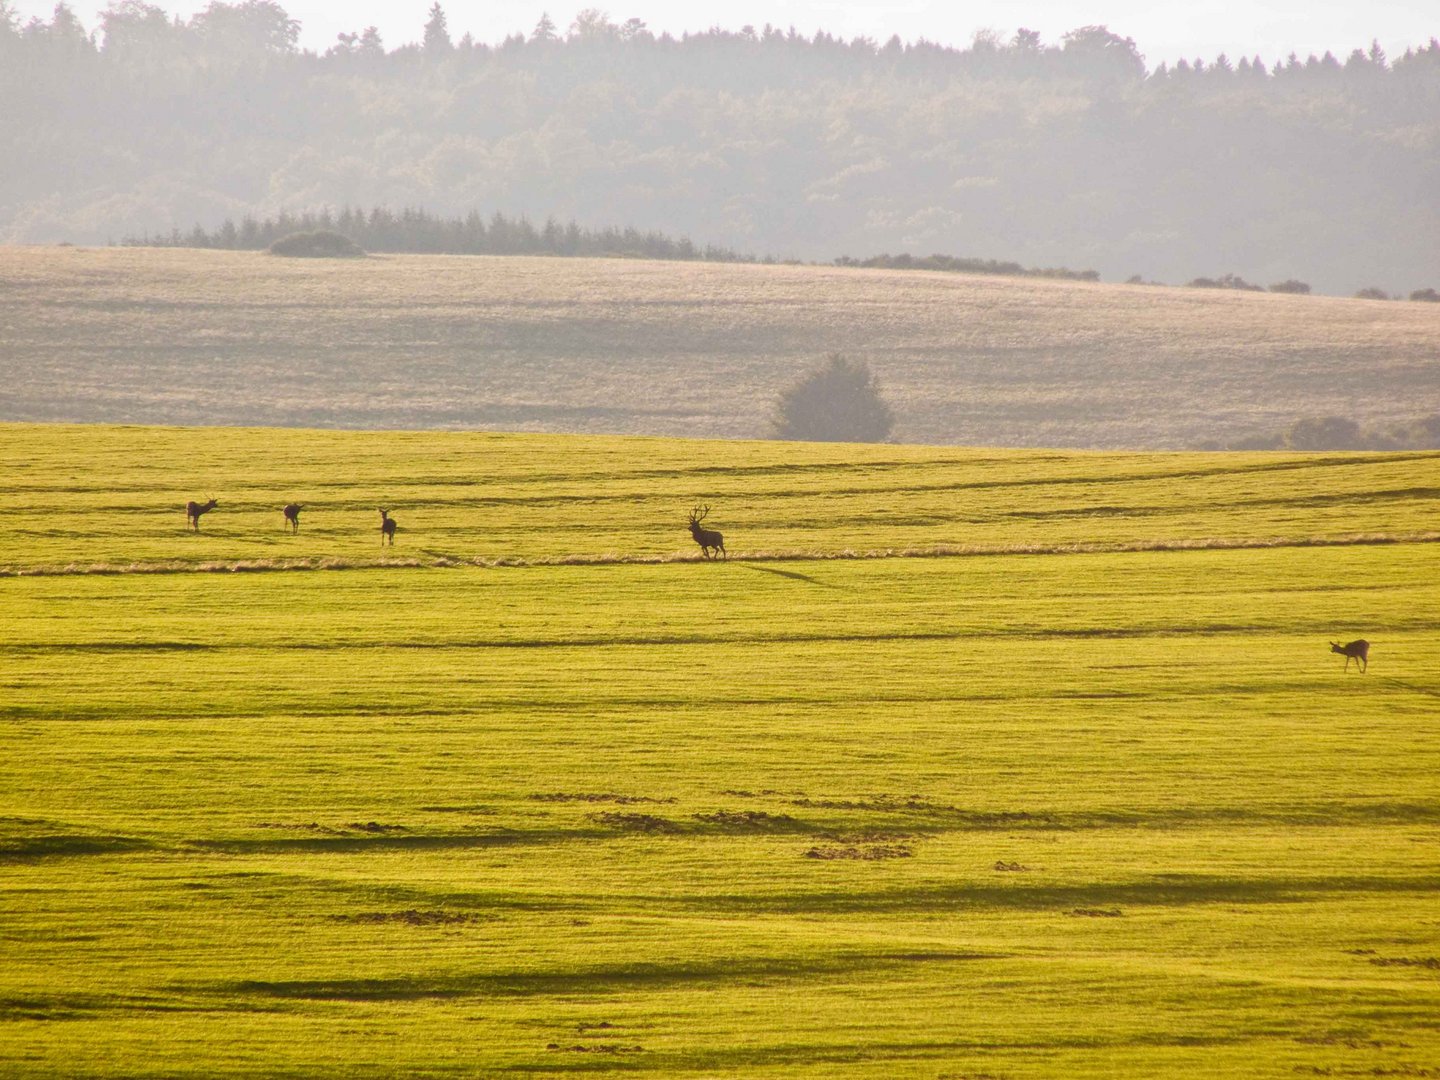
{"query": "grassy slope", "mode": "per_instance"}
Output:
(1219, 851)
(675, 349)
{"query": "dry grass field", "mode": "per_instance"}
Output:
(618, 346)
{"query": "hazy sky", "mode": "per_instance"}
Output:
(1204, 28)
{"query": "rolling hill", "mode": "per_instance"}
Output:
(680, 349)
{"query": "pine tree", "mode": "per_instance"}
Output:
(437, 36)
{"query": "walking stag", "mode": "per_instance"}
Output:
(193, 510)
(387, 528)
(292, 515)
(1358, 650)
(711, 542)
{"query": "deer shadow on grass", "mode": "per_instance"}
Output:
(793, 574)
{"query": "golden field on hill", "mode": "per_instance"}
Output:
(621, 346)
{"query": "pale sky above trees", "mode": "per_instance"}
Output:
(1164, 32)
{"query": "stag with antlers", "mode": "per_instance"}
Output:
(711, 542)
(292, 515)
(193, 510)
(387, 528)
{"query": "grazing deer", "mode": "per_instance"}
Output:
(387, 528)
(193, 510)
(710, 541)
(292, 515)
(1358, 651)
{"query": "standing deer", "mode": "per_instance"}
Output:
(1358, 651)
(193, 510)
(387, 528)
(292, 515)
(710, 541)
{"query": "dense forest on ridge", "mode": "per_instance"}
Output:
(1070, 153)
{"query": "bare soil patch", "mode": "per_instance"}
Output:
(867, 853)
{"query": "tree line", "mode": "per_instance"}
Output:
(1066, 153)
(417, 231)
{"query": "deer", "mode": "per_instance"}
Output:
(1358, 650)
(292, 515)
(193, 510)
(710, 541)
(387, 528)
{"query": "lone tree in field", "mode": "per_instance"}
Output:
(837, 402)
(320, 244)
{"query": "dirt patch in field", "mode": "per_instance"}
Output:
(1428, 963)
(1095, 913)
(868, 853)
(637, 823)
(867, 836)
(744, 793)
(879, 803)
(374, 827)
(1011, 867)
(596, 797)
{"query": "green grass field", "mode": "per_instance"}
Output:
(966, 764)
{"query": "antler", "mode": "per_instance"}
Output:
(698, 514)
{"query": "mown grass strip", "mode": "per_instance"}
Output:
(939, 551)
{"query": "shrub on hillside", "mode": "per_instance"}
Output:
(1426, 294)
(837, 402)
(1341, 433)
(1372, 293)
(1422, 434)
(1227, 281)
(320, 244)
(1324, 433)
(1291, 286)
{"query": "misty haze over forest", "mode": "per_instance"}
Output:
(1068, 153)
